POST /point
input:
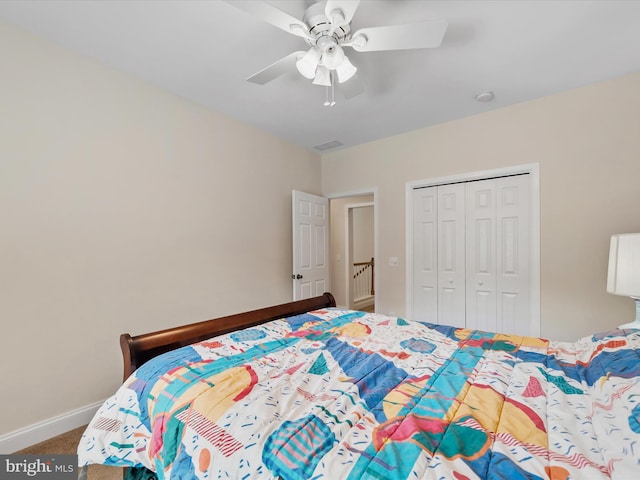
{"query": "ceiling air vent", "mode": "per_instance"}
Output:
(329, 145)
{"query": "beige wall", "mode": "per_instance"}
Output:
(587, 143)
(123, 208)
(362, 235)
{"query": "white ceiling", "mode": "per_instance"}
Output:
(203, 50)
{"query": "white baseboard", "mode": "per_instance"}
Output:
(364, 302)
(38, 432)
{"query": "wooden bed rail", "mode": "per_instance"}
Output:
(136, 350)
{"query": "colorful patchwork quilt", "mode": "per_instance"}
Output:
(340, 394)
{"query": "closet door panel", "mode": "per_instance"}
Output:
(481, 254)
(425, 255)
(513, 259)
(451, 255)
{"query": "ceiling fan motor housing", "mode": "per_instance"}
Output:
(326, 44)
(320, 28)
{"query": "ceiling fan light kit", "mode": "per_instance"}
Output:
(326, 27)
(345, 70)
(308, 63)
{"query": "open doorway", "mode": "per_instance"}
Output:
(353, 251)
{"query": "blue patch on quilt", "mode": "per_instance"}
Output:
(374, 376)
(309, 351)
(248, 335)
(167, 361)
(620, 363)
(149, 372)
(503, 468)
(183, 467)
(298, 321)
(446, 330)
(295, 448)
(418, 345)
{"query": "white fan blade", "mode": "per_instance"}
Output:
(276, 69)
(346, 8)
(352, 87)
(273, 15)
(399, 37)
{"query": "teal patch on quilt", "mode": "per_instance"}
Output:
(561, 383)
(634, 419)
(139, 473)
(319, 367)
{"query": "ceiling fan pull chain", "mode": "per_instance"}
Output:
(333, 90)
(330, 100)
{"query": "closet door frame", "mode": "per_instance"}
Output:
(533, 170)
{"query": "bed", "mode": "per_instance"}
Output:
(306, 390)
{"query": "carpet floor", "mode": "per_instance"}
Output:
(67, 444)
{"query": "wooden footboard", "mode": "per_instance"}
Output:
(139, 349)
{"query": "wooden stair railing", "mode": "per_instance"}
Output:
(365, 268)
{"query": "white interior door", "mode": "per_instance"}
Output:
(310, 274)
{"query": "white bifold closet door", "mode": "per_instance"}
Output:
(471, 254)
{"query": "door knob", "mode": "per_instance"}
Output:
(296, 277)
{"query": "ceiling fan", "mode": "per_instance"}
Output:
(326, 27)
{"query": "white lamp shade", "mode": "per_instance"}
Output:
(323, 77)
(308, 63)
(345, 70)
(624, 265)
